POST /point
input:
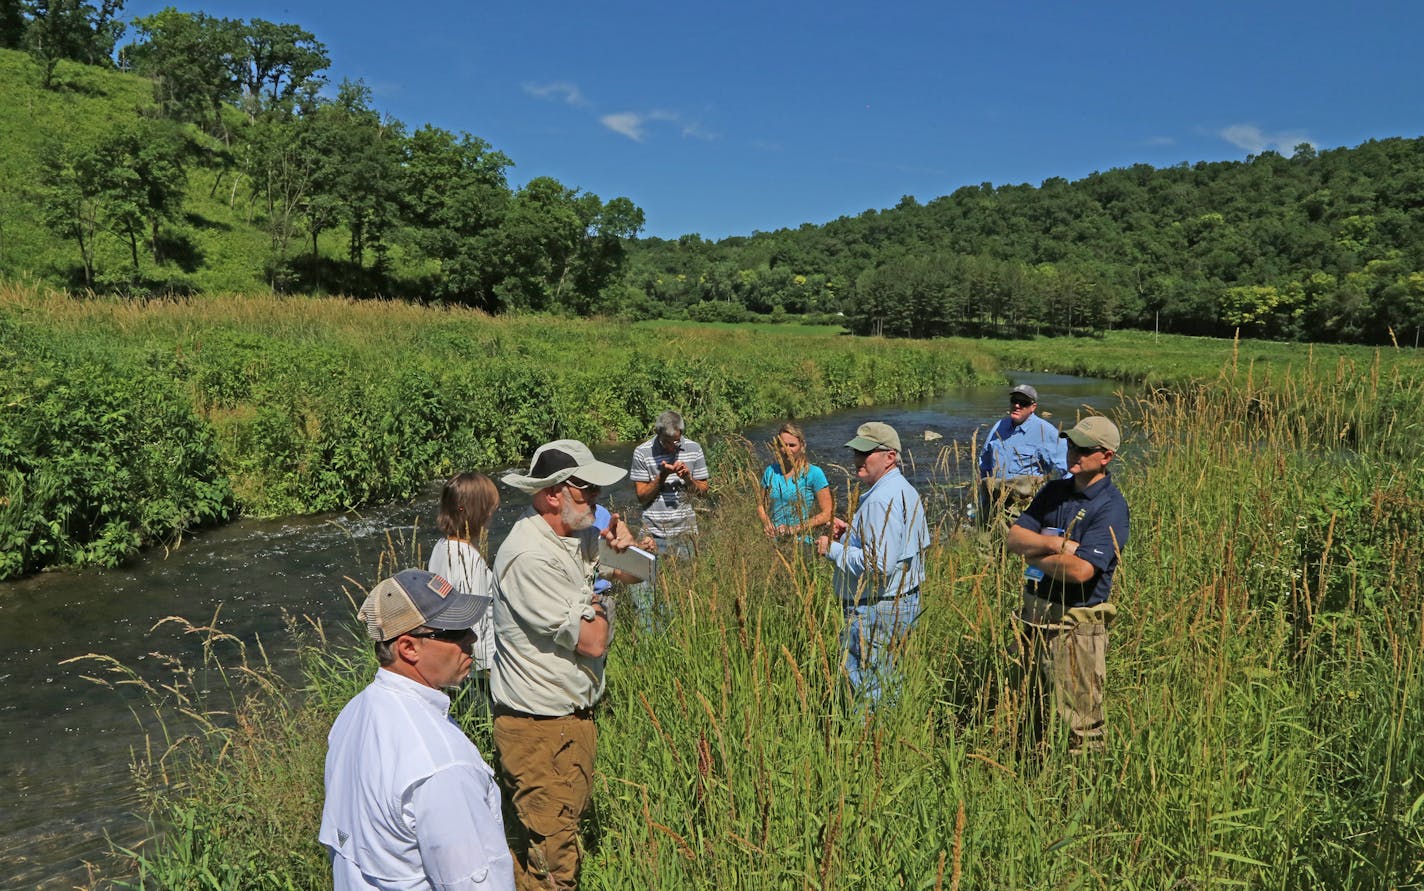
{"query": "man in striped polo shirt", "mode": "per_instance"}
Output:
(667, 471)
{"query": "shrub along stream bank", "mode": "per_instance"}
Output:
(123, 424)
(1266, 704)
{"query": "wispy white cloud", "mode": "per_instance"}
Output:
(558, 91)
(635, 124)
(1255, 140)
(1159, 141)
(693, 130)
(628, 123)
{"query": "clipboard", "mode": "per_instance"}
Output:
(634, 561)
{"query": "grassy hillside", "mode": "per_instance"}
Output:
(218, 244)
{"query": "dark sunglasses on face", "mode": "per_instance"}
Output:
(449, 635)
(1019, 403)
(1086, 450)
(583, 486)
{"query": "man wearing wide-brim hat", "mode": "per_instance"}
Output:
(551, 636)
(1071, 536)
(1020, 451)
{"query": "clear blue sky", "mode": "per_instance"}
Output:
(725, 118)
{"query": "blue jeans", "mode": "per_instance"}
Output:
(873, 636)
(653, 614)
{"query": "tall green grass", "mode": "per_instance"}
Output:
(1266, 708)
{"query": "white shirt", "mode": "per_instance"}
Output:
(461, 565)
(410, 804)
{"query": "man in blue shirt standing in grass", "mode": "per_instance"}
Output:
(1020, 452)
(1071, 537)
(879, 560)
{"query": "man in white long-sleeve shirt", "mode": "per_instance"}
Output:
(410, 804)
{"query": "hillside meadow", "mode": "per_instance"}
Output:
(1266, 708)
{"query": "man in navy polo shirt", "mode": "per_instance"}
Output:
(1071, 536)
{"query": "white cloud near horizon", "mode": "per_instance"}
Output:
(558, 90)
(1255, 140)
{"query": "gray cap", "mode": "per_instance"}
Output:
(414, 598)
(874, 435)
(1026, 391)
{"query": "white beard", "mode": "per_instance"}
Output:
(575, 517)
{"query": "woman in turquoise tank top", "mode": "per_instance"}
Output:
(795, 496)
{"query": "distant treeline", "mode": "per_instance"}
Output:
(230, 166)
(1318, 246)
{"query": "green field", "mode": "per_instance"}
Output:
(1266, 707)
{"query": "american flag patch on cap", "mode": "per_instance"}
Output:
(440, 586)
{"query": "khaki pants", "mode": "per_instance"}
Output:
(1065, 666)
(546, 769)
(1004, 499)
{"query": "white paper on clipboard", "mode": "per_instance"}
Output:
(634, 561)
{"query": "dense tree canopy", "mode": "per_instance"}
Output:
(336, 188)
(1321, 245)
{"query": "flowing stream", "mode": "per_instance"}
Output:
(66, 742)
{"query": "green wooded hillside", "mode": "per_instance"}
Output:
(1323, 245)
(226, 162)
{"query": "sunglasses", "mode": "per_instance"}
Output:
(1086, 450)
(449, 635)
(1019, 403)
(583, 486)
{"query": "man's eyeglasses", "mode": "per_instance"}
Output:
(583, 486)
(1019, 403)
(449, 635)
(1086, 450)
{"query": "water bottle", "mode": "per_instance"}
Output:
(1033, 573)
(971, 513)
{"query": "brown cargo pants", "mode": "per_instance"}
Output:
(546, 769)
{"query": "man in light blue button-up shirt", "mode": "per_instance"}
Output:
(1020, 453)
(879, 562)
